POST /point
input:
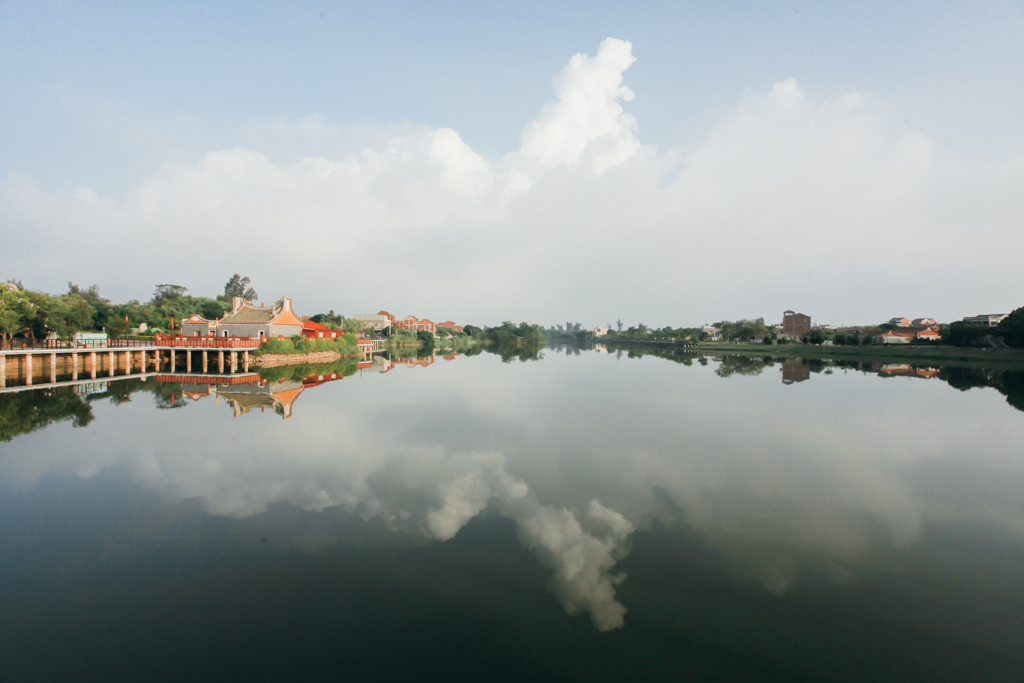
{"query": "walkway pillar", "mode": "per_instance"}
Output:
(127, 362)
(53, 368)
(113, 364)
(172, 359)
(188, 360)
(245, 360)
(220, 361)
(234, 361)
(92, 364)
(74, 365)
(204, 361)
(3, 371)
(28, 368)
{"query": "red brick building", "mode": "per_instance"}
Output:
(795, 324)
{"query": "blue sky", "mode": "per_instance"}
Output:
(853, 161)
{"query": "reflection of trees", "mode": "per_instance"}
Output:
(1010, 383)
(739, 365)
(510, 353)
(345, 367)
(28, 411)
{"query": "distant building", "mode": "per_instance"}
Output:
(795, 324)
(312, 330)
(380, 321)
(247, 320)
(899, 322)
(989, 320)
(450, 324)
(923, 322)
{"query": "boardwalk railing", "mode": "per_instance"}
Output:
(210, 342)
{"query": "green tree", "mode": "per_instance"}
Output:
(1011, 328)
(239, 286)
(116, 326)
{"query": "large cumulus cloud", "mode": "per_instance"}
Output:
(792, 200)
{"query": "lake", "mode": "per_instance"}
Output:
(587, 515)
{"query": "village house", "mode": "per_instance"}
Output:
(899, 322)
(451, 325)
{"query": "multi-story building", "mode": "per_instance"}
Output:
(795, 324)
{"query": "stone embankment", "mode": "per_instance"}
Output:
(272, 360)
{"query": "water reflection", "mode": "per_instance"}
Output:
(839, 477)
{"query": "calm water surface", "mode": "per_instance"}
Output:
(586, 516)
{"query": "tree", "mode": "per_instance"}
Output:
(116, 326)
(211, 310)
(426, 340)
(239, 286)
(816, 337)
(1012, 328)
(166, 293)
(618, 324)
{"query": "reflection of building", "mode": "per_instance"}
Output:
(795, 324)
(278, 396)
(794, 371)
(903, 370)
(245, 393)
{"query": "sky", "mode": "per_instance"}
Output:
(665, 163)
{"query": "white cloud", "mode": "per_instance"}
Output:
(587, 120)
(789, 202)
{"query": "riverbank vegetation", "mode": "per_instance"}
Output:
(346, 345)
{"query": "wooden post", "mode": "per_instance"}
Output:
(92, 364)
(204, 361)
